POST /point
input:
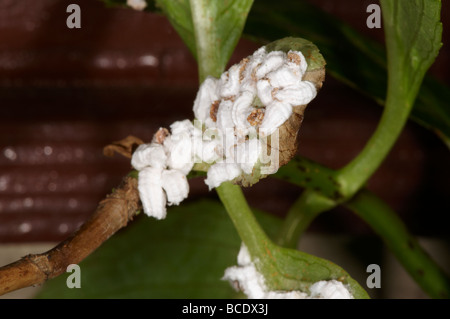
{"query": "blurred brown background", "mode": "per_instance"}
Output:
(66, 93)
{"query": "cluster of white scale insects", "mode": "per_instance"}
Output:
(252, 283)
(234, 116)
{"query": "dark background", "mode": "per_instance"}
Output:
(66, 93)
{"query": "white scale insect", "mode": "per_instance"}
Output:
(137, 4)
(233, 115)
(252, 283)
(249, 102)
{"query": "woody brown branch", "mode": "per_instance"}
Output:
(112, 214)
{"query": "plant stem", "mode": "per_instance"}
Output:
(284, 269)
(402, 244)
(355, 174)
(399, 102)
(243, 219)
(305, 209)
(377, 214)
(406, 69)
(210, 63)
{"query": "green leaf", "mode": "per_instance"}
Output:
(413, 36)
(183, 256)
(283, 268)
(309, 174)
(351, 58)
(291, 269)
(211, 29)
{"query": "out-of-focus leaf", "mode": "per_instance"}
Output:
(351, 57)
(308, 174)
(402, 244)
(183, 256)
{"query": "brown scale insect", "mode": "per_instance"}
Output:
(256, 117)
(213, 110)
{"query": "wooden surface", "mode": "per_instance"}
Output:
(64, 94)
